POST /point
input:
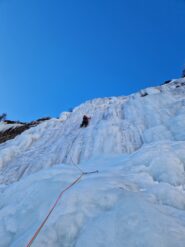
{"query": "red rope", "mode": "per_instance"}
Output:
(50, 211)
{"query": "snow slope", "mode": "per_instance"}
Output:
(4, 126)
(138, 197)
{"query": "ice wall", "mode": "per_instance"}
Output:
(119, 125)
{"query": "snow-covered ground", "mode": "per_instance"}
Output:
(136, 200)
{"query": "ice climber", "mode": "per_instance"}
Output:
(85, 121)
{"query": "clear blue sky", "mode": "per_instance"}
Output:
(56, 54)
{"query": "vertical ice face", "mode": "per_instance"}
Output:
(118, 125)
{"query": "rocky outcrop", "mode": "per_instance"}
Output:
(14, 128)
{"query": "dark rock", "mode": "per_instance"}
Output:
(166, 82)
(13, 122)
(144, 94)
(43, 119)
(12, 132)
